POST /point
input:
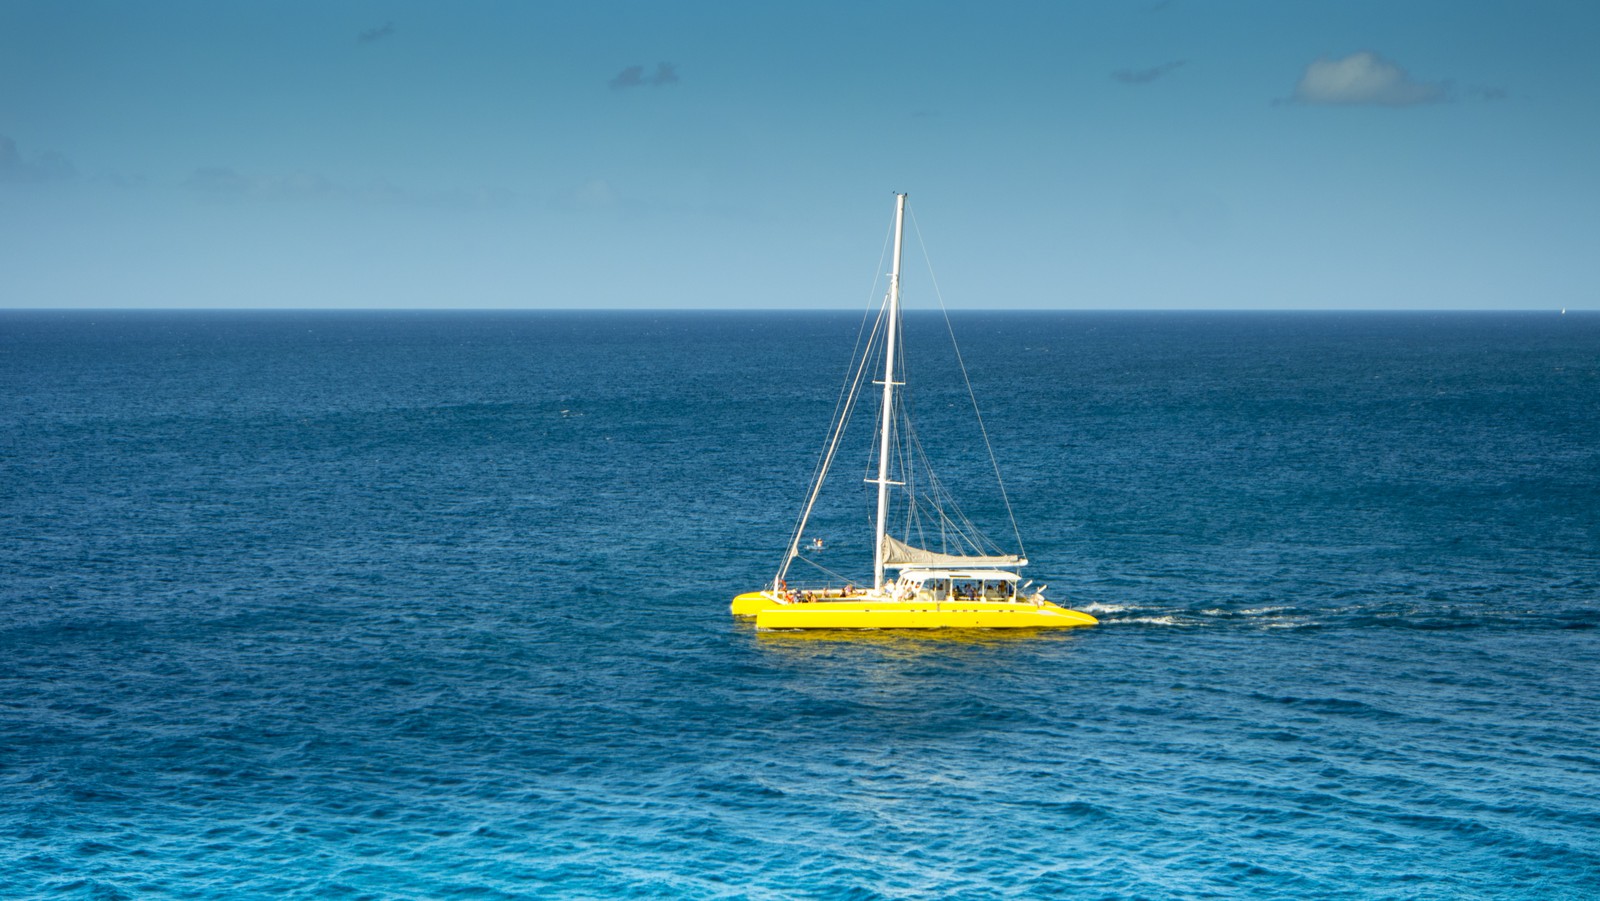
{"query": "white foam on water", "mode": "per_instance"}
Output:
(1104, 608)
(1152, 620)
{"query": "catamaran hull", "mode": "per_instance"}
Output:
(752, 602)
(887, 614)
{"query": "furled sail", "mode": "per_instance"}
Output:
(898, 553)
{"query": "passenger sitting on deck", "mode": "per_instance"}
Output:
(848, 590)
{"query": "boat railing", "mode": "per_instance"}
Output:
(817, 591)
(799, 593)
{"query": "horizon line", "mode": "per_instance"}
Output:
(822, 310)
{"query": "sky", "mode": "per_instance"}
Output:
(1169, 154)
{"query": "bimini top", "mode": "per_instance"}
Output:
(919, 574)
(898, 554)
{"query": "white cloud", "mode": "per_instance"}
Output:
(1363, 78)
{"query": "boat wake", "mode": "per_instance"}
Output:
(1150, 621)
(1409, 616)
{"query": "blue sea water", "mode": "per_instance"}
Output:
(386, 605)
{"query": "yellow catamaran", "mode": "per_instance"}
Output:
(966, 584)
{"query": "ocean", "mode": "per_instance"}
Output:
(435, 605)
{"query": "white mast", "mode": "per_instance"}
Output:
(892, 330)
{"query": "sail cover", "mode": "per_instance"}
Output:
(898, 553)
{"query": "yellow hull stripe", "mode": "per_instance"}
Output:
(864, 614)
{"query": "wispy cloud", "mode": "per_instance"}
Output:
(217, 181)
(223, 182)
(1364, 79)
(47, 166)
(596, 194)
(1145, 76)
(634, 77)
(375, 34)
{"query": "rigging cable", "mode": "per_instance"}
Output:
(844, 405)
(842, 578)
(982, 429)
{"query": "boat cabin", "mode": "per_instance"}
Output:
(940, 585)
